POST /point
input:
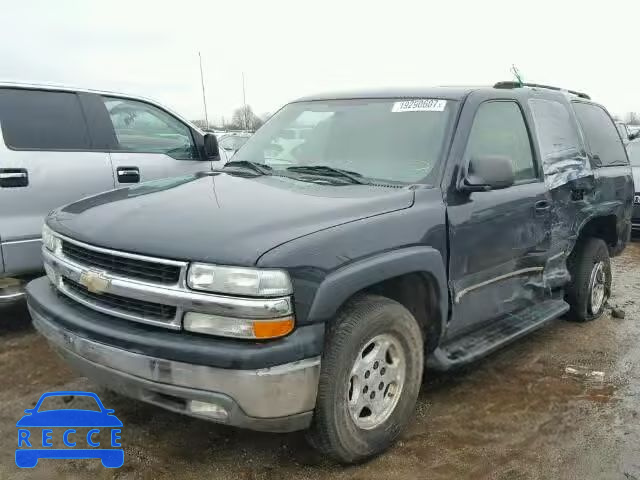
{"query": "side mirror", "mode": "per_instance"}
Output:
(489, 172)
(633, 136)
(211, 145)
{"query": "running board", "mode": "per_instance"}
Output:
(475, 344)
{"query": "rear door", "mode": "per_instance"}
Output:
(151, 143)
(47, 159)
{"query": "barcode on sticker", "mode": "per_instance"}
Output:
(420, 105)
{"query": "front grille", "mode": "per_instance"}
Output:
(123, 266)
(139, 308)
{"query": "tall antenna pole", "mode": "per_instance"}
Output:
(244, 104)
(204, 99)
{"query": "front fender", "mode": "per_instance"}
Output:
(343, 283)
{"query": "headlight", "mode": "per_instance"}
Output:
(238, 280)
(50, 240)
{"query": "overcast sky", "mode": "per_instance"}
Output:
(291, 48)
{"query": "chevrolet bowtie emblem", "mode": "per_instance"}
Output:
(95, 282)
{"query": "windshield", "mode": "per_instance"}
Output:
(387, 139)
(233, 142)
(634, 154)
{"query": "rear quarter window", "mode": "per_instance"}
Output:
(561, 149)
(601, 135)
(556, 130)
(42, 120)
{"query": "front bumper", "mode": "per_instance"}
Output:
(11, 290)
(279, 398)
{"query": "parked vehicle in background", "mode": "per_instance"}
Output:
(60, 144)
(231, 142)
(408, 227)
(634, 157)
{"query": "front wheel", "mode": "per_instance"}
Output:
(370, 379)
(590, 286)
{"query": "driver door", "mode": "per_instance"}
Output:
(498, 239)
(151, 143)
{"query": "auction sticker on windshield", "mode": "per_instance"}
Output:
(420, 105)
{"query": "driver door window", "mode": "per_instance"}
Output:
(143, 128)
(499, 129)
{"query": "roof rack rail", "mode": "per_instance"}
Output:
(510, 84)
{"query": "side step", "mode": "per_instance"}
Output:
(492, 336)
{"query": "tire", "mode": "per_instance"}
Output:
(588, 256)
(337, 429)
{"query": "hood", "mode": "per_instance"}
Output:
(219, 217)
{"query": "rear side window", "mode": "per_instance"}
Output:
(499, 129)
(41, 120)
(556, 130)
(601, 135)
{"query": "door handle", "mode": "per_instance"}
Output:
(128, 174)
(13, 177)
(541, 207)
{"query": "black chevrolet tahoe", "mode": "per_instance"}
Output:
(310, 282)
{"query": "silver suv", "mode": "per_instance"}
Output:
(58, 145)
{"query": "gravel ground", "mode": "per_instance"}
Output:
(536, 409)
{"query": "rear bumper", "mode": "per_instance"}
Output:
(276, 398)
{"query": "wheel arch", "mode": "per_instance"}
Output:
(413, 276)
(604, 227)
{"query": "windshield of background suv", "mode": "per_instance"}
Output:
(387, 139)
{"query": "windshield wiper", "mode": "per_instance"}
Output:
(260, 168)
(324, 170)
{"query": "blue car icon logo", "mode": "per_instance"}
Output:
(61, 424)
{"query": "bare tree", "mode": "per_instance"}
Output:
(245, 119)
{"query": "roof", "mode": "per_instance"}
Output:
(68, 88)
(448, 93)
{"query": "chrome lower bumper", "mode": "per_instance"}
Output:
(278, 399)
(11, 290)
